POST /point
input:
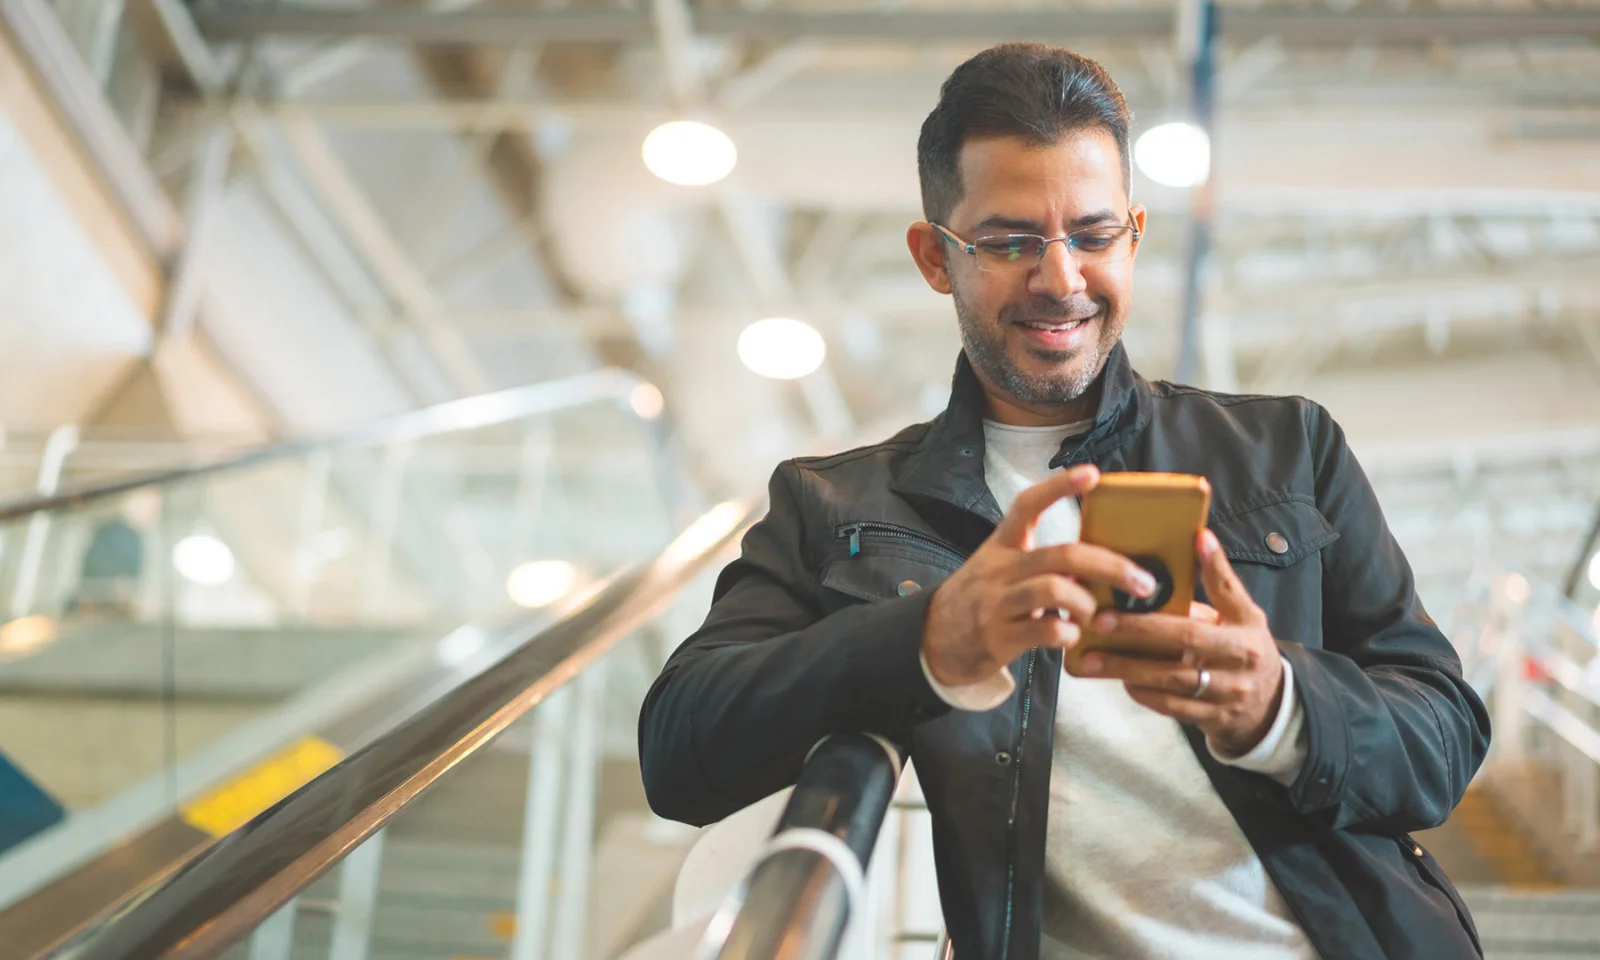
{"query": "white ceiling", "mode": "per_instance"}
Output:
(1407, 232)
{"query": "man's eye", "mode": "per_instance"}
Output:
(1009, 248)
(1093, 241)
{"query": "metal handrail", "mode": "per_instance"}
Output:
(810, 879)
(235, 884)
(1591, 544)
(454, 416)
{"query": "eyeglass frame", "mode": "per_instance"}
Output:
(971, 249)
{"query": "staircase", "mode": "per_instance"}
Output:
(1481, 845)
(447, 884)
(1536, 924)
(1515, 891)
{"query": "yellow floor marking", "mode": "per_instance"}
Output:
(230, 806)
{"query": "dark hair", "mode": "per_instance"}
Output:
(1026, 90)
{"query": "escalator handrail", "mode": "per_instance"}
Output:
(810, 879)
(453, 416)
(232, 886)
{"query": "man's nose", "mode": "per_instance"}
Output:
(1057, 276)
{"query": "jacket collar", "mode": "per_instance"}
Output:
(947, 464)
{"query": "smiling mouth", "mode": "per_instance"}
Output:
(1058, 326)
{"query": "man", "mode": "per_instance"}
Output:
(1252, 800)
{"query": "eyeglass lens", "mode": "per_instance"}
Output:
(1021, 250)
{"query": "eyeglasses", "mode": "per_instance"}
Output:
(1019, 252)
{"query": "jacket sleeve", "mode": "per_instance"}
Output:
(741, 702)
(1395, 734)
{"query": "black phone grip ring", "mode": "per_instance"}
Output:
(1128, 603)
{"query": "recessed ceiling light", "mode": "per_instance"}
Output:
(203, 559)
(689, 153)
(781, 348)
(540, 582)
(1174, 154)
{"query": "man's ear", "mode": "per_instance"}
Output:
(1137, 213)
(927, 248)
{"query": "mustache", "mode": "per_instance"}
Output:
(1077, 307)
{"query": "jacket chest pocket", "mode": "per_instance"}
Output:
(872, 561)
(1274, 548)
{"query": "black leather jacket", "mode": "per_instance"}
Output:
(808, 635)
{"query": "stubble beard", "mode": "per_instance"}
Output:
(985, 345)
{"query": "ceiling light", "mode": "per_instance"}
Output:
(689, 153)
(1518, 589)
(540, 582)
(24, 635)
(781, 348)
(204, 559)
(1174, 154)
(647, 401)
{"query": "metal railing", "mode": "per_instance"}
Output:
(1534, 657)
(230, 888)
(811, 877)
(36, 577)
(455, 416)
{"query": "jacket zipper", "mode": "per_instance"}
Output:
(891, 532)
(1016, 795)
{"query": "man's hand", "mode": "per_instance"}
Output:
(992, 610)
(1246, 670)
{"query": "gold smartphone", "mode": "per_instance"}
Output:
(1153, 519)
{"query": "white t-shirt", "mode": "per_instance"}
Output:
(1142, 859)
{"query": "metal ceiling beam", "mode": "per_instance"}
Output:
(370, 235)
(528, 113)
(83, 109)
(582, 25)
(172, 39)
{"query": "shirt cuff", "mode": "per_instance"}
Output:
(1282, 752)
(983, 695)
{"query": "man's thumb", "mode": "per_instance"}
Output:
(1019, 521)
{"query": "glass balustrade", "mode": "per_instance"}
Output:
(242, 630)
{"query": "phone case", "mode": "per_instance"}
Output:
(1153, 519)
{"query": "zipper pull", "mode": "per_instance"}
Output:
(855, 539)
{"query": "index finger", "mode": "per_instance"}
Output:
(1223, 588)
(1016, 527)
(1217, 646)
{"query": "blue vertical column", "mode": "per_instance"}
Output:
(1197, 44)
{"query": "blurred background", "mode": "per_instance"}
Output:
(228, 224)
(277, 220)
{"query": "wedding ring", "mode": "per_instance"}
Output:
(1204, 684)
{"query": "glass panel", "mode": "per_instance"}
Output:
(195, 650)
(540, 845)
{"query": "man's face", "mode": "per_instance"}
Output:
(1040, 336)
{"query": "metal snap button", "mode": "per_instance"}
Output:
(1277, 542)
(1002, 758)
(908, 587)
(968, 451)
